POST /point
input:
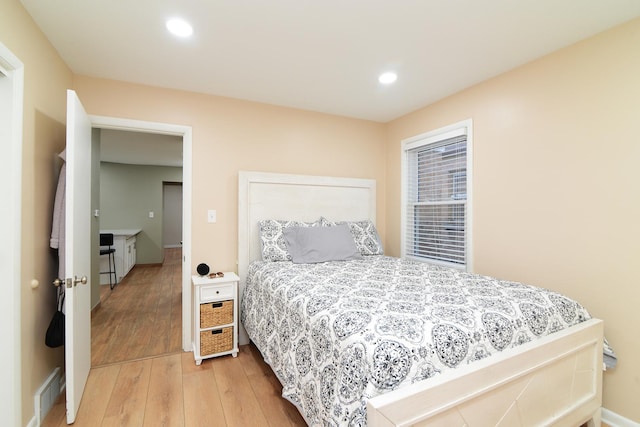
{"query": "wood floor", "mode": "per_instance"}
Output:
(171, 390)
(141, 316)
(141, 377)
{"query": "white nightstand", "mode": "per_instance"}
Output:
(215, 316)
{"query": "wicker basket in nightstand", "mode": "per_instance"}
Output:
(216, 313)
(216, 341)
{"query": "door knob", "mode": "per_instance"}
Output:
(70, 282)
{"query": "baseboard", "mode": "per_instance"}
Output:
(96, 308)
(614, 420)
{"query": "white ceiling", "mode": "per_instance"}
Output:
(137, 148)
(322, 55)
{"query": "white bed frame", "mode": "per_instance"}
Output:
(556, 380)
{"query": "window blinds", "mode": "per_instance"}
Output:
(437, 200)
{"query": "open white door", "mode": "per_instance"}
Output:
(77, 253)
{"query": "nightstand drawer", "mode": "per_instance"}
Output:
(216, 313)
(211, 293)
(216, 341)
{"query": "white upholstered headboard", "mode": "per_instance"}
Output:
(295, 197)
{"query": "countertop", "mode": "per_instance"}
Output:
(126, 232)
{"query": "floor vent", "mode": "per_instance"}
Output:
(46, 395)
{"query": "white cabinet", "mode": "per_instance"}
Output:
(124, 242)
(129, 257)
(215, 316)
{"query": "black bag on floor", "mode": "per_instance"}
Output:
(55, 332)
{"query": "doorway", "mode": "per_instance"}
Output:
(172, 214)
(140, 317)
(101, 122)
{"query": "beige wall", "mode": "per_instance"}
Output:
(556, 184)
(45, 82)
(232, 135)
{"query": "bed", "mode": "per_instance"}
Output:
(293, 315)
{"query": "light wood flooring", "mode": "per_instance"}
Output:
(142, 316)
(141, 377)
(171, 390)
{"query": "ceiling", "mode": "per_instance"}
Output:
(322, 55)
(137, 148)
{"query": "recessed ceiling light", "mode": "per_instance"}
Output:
(387, 78)
(179, 27)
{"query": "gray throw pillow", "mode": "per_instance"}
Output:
(308, 245)
(364, 234)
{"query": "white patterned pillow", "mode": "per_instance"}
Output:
(274, 247)
(364, 234)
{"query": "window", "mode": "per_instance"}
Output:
(436, 194)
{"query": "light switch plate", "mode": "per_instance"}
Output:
(212, 216)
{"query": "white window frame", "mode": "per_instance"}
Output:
(433, 137)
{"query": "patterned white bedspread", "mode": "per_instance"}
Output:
(338, 333)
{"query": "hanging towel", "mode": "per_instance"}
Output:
(57, 225)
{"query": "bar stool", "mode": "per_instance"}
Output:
(106, 248)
